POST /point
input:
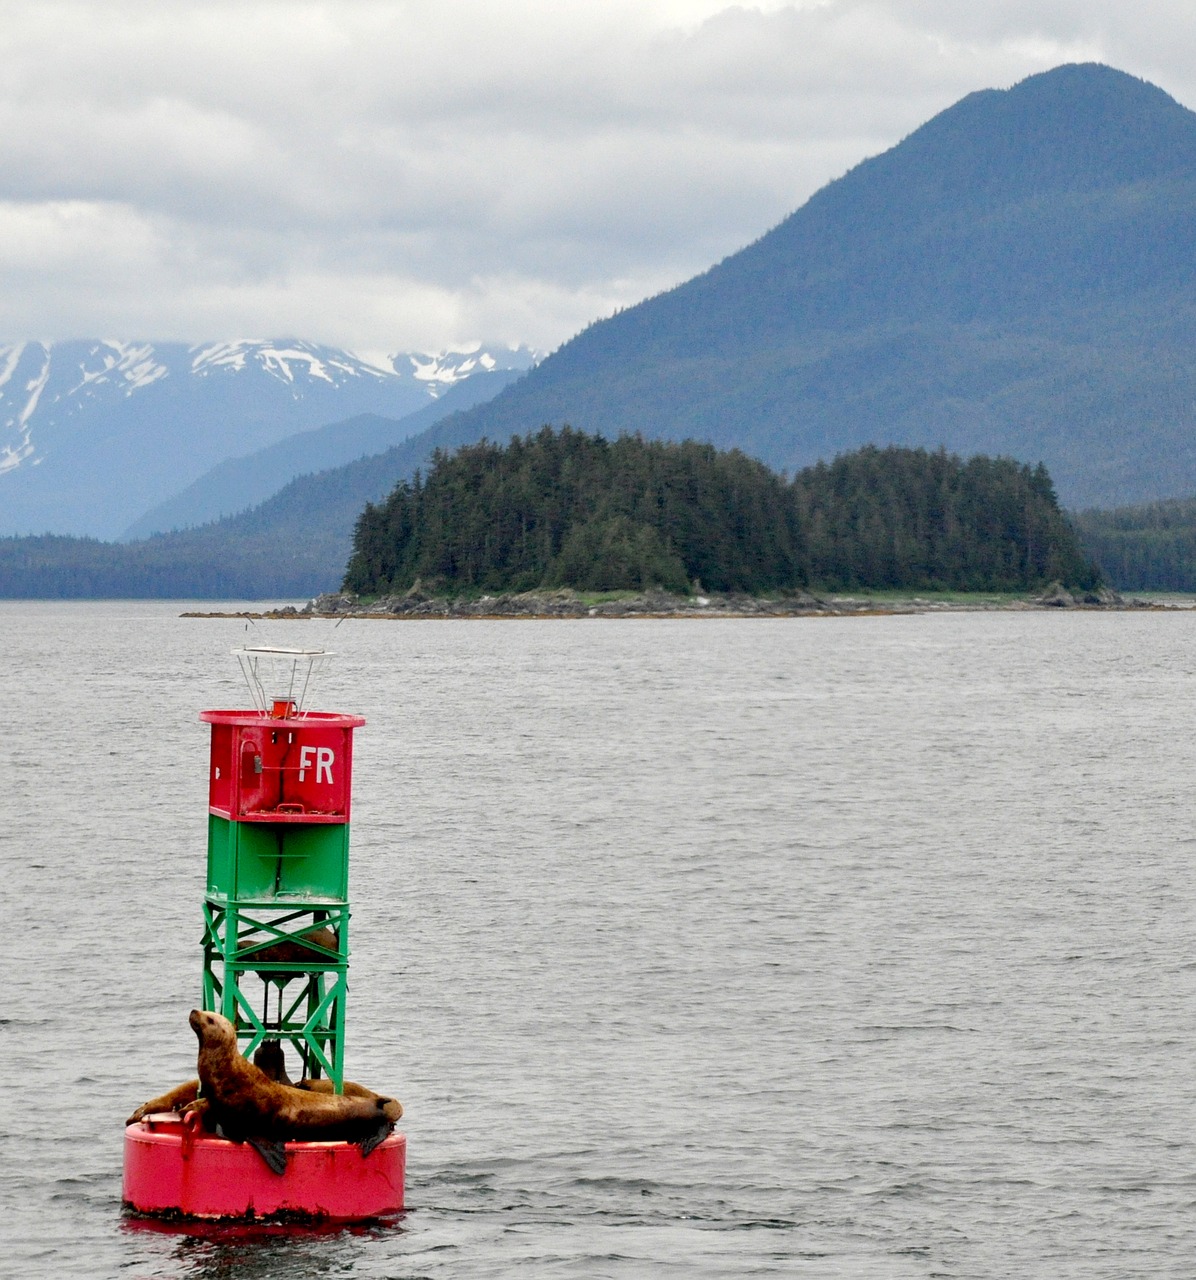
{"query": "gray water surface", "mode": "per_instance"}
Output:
(809, 947)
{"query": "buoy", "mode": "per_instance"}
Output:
(275, 958)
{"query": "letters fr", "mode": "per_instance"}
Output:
(323, 763)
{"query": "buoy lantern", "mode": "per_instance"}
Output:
(275, 965)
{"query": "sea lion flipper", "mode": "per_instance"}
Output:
(196, 1113)
(176, 1099)
(375, 1139)
(273, 1152)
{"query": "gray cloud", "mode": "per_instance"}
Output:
(388, 174)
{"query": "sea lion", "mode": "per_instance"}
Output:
(295, 951)
(250, 1107)
(269, 1059)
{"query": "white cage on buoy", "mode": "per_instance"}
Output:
(278, 677)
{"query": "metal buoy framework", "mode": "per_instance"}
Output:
(275, 952)
(276, 905)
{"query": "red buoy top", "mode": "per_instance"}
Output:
(282, 767)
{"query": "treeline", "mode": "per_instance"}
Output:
(910, 518)
(562, 508)
(171, 566)
(1151, 547)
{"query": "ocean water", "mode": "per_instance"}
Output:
(855, 947)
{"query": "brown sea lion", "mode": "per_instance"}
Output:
(294, 951)
(247, 1105)
(269, 1059)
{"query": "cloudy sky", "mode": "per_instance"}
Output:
(393, 175)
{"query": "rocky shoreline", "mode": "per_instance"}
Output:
(564, 604)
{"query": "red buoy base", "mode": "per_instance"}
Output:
(172, 1170)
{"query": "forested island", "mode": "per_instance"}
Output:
(567, 509)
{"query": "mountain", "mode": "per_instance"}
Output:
(239, 483)
(94, 433)
(1017, 277)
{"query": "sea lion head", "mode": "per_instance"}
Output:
(270, 1059)
(212, 1028)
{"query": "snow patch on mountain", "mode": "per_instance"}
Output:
(289, 361)
(129, 366)
(450, 367)
(10, 356)
(34, 391)
(18, 445)
(285, 360)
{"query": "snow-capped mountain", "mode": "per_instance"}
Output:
(93, 433)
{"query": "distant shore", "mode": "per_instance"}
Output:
(567, 604)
